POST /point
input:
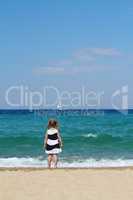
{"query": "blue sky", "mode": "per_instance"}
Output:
(66, 44)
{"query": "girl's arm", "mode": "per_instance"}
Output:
(45, 139)
(59, 138)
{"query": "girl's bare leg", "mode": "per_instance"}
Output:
(49, 160)
(55, 160)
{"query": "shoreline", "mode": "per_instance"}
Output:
(61, 169)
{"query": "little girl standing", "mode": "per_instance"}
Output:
(52, 143)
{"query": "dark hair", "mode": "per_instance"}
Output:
(52, 124)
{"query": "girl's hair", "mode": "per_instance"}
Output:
(52, 124)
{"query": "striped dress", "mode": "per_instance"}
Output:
(52, 146)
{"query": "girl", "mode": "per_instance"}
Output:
(52, 143)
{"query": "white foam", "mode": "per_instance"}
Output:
(22, 162)
(88, 163)
(90, 135)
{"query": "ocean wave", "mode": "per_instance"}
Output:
(90, 135)
(26, 143)
(42, 163)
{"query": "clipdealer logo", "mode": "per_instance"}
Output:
(25, 97)
(35, 99)
(122, 95)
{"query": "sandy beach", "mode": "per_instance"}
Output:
(67, 184)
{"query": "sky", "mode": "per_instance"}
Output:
(68, 45)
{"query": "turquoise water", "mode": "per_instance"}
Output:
(90, 138)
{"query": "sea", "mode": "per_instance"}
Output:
(91, 138)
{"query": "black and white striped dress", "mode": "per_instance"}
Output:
(52, 146)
